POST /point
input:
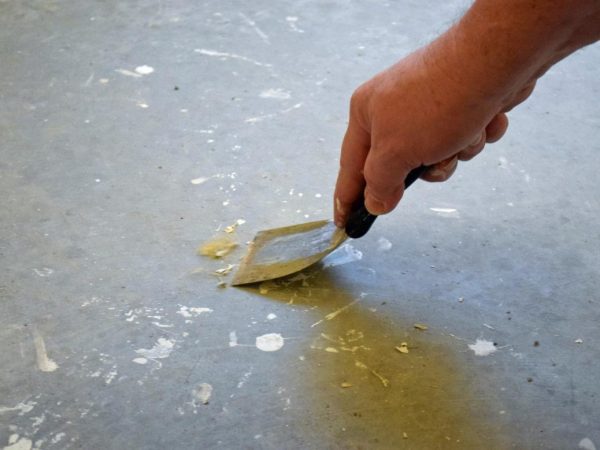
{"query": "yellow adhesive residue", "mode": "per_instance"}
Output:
(217, 247)
(427, 399)
(421, 327)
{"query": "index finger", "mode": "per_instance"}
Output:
(350, 182)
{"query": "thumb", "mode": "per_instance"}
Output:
(385, 182)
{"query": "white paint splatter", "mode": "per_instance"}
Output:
(270, 342)
(587, 444)
(482, 347)
(291, 20)
(202, 393)
(57, 438)
(162, 349)
(187, 312)
(579, 341)
(44, 363)
(344, 255)
(259, 118)
(110, 376)
(143, 105)
(23, 407)
(128, 73)
(225, 56)
(233, 340)
(256, 29)
(199, 180)
(140, 361)
(277, 93)
(244, 379)
(18, 444)
(44, 272)
(103, 80)
(91, 301)
(144, 70)
(271, 316)
(502, 162)
(446, 212)
(383, 245)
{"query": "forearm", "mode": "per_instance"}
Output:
(504, 44)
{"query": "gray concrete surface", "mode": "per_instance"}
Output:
(99, 222)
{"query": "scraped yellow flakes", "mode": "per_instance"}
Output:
(224, 270)
(231, 228)
(421, 327)
(346, 385)
(402, 348)
(217, 247)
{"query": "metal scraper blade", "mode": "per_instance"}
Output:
(282, 251)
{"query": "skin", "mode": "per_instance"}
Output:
(444, 102)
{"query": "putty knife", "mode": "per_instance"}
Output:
(282, 251)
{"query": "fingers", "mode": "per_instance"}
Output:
(384, 173)
(474, 149)
(442, 170)
(496, 128)
(350, 182)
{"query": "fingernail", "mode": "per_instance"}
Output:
(437, 173)
(375, 206)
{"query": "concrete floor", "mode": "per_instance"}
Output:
(110, 336)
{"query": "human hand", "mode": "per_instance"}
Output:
(415, 114)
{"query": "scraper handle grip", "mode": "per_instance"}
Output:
(360, 219)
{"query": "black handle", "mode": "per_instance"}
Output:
(360, 219)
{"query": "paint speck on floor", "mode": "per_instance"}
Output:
(292, 22)
(14, 443)
(271, 316)
(44, 363)
(270, 342)
(587, 444)
(483, 348)
(383, 245)
(199, 180)
(43, 272)
(187, 311)
(233, 339)
(128, 73)
(162, 349)
(224, 56)
(278, 94)
(202, 393)
(141, 361)
(446, 212)
(144, 70)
